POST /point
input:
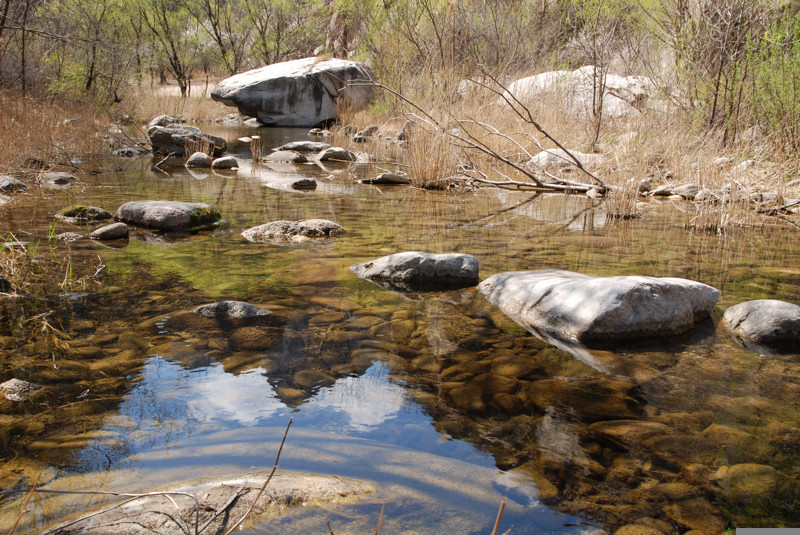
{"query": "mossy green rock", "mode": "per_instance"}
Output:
(89, 213)
(168, 215)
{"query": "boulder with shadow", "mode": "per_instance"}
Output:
(168, 215)
(570, 305)
(302, 92)
(417, 271)
(765, 322)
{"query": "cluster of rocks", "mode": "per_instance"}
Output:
(574, 306)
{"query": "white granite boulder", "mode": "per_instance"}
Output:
(571, 305)
(302, 92)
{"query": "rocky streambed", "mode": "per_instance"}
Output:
(433, 395)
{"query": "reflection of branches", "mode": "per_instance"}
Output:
(193, 528)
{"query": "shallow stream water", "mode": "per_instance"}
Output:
(442, 402)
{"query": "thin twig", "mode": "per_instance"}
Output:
(264, 486)
(499, 517)
(221, 509)
(380, 520)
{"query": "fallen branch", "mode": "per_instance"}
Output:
(264, 486)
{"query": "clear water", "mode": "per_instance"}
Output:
(397, 389)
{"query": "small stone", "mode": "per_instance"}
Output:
(115, 231)
(199, 160)
(226, 162)
(58, 178)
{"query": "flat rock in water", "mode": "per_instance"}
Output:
(18, 390)
(277, 231)
(177, 139)
(114, 231)
(764, 321)
(168, 215)
(304, 184)
(387, 179)
(58, 178)
(231, 310)
(587, 308)
(285, 156)
(414, 270)
(157, 514)
(304, 146)
(302, 92)
(88, 213)
(9, 184)
(336, 154)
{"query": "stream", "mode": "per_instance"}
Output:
(437, 398)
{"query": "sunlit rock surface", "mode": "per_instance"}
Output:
(167, 215)
(293, 230)
(765, 321)
(303, 92)
(584, 307)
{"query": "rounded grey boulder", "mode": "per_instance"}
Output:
(764, 321)
(302, 92)
(587, 308)
(168, 215)
(199, 160)
(414, 270)
(177, 138)
(231, 310)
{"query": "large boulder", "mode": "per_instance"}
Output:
(587, 308)
(280, 231)
(177, 139)
(624, 95)
(303, 92)
(168, 215)
(764, 321)
(421, 271)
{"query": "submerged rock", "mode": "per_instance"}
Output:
(293, 230)
(231, 310)
(302, 92)
(235, 496)
(168, 215)
(81, 212)
(573, 305)
(18, 390)
(415, 270)
(764, 321)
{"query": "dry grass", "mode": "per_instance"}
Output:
(39, 132)
(147, 102)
